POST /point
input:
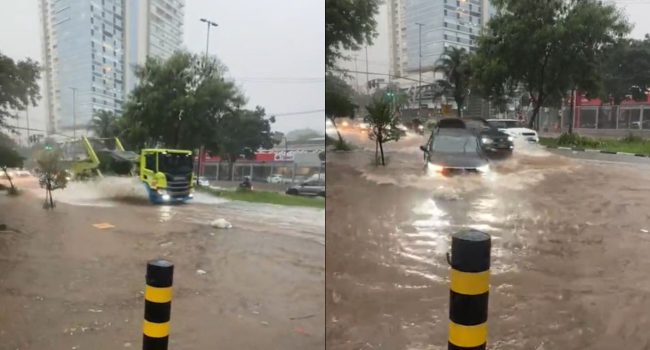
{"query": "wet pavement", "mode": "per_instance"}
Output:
(569, 261)
(65, 284)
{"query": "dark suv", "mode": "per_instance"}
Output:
(494, 143)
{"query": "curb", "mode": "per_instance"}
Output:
(577, 149)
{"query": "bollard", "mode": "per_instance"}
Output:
(157, 304)
(469, 288)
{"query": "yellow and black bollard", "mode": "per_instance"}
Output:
(469, 288)
(157, 304)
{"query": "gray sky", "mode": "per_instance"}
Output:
(274, 49)
(378, 55)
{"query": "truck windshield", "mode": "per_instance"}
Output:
(175, 163)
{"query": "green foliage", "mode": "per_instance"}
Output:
(18, 87)
(178, 102)
(268, 197)
(242, 132)
(383, 124)
(338, 101)
(625, 67)
(105, 124)
(341, 145)
(348, 26)
(545, 47)
(575, 140)
(455, 66)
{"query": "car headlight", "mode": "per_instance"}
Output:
(165, 197)
(434, 168)
(420, 127)
(487, 141)
(484, 169)
(510, 138)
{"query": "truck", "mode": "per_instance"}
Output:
(167, 174)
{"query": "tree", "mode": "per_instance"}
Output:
(302, 135)
(178, 102)
(9, 158)
(626, 70)
(348, 26)
(455, 66)
(104, 124)
(53, 176)
(18, 87)
(338, 101)
(383, 124)
(241, 133)
(545, 47)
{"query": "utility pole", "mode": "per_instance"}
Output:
(74, 112)
(207, 51)
(419, 94)
(27, 118)
(367, 74)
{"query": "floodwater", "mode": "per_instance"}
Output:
(569, 239)
(66, 284)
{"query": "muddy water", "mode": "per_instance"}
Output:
(65, 284)
(560, 229)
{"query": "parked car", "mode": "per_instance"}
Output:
(203, 181)
(515, 129)
(275, 179)
(454, 151)
(308, 188)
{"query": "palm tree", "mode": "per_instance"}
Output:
(454, 64)
(104, 124)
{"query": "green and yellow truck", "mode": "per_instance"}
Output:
(167, 174)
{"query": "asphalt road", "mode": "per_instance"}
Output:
(569, 258)
(65, 284)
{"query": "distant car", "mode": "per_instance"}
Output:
(308, 188)
(453, 152)
(276, 179)
(203, 181)
(514, 128)
(495, 143)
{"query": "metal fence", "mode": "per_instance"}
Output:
(283, 172)
(610, 118)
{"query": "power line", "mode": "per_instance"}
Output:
(298, 113)
(382, 74)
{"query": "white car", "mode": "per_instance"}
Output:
(203, 181)
(514, 128)
(275, 179)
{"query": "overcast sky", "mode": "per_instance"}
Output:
(636, 11)
(274, 49)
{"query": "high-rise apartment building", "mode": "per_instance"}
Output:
(425, 27)
(153, 28)
(87, 48)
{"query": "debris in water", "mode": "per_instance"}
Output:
(644, 230)
(95, 310)
(264, 323)
(127, 345)
(166, 244)
(200, 272)
(103, 225)
(221, 223)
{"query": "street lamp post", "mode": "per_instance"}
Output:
(419, 94)
(74, 112)
(207, 40)
(207, 51)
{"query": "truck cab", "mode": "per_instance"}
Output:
(167, 174)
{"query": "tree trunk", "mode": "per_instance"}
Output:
(380, 140)
(11, 183)
(571, 116)
(337, 129)
(459, 105)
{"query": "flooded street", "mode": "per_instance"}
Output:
(65, 284)
(569, 258)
